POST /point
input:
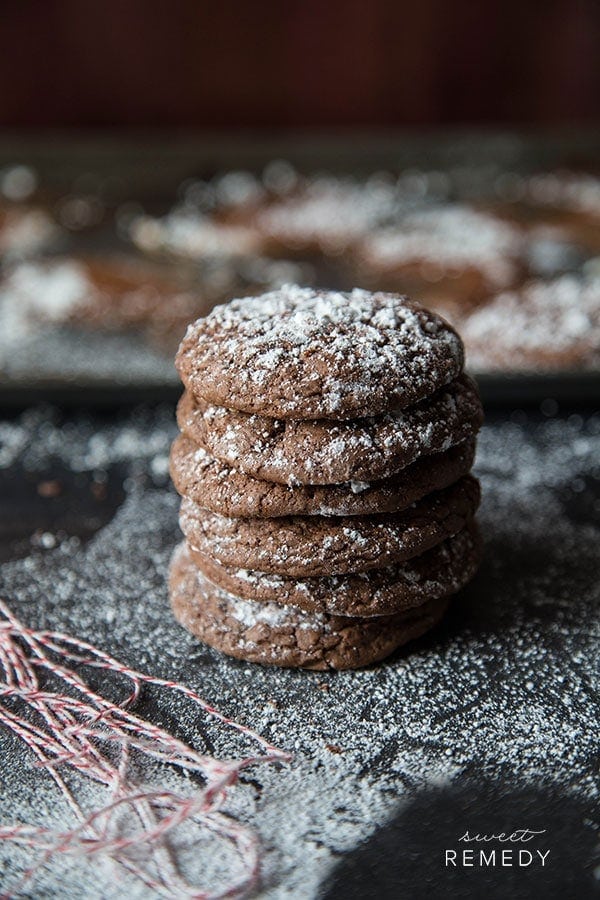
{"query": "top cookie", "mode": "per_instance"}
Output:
(296, 353)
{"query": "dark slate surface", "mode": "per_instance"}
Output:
(527, 626)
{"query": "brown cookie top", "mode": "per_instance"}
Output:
(327, 452)
(438, 572)
(320, 545)
(297, 353)
(283, 635)
(225, 490)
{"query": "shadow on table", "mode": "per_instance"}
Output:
(407, 857)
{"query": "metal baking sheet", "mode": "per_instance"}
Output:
(76, 367)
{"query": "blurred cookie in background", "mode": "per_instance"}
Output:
(542, 327)
(212, 221)
(25, 230)
(26, 226)
(191, 235)
(106, 293)
(119, 293)
(477, 245)
(328, 214)
(567, 202)
(280, 214)
(451, 257)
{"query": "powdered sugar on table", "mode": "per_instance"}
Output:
(506, 688)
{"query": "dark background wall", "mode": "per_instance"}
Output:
(297, 63)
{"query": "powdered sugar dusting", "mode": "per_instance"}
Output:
(297, 452)
(305, 545)
(250, 614)
(332, 213)
(318, 353)
(186, 234)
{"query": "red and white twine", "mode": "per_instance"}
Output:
(73, 730)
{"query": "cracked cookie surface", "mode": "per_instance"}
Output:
(297, 353)
(223, 489)
(327, 452)
(321, 545)
(438, 572)
(286, 636)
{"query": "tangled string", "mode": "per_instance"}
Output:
(73, 729)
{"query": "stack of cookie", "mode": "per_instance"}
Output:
(324, 461)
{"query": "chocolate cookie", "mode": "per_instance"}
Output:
(438, 572)
(109, 294)
(326, 452)
(444, 250)
(320, 545)
(190, 235)
(564, 201)
(225, 490)
(546, 326)
(283, 635)
(327, 214)
(297, 353)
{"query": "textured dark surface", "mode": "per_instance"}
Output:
(488, 724)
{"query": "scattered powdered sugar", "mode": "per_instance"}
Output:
(38, 436)
(506, 688)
